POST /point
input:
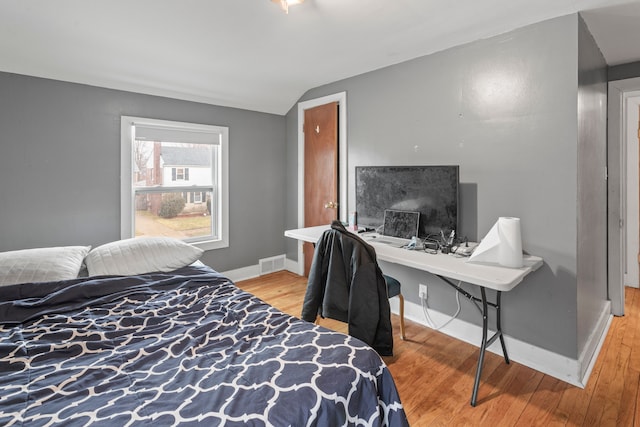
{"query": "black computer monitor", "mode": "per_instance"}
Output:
(430, 190)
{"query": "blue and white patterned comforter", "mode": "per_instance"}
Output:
(180, 348)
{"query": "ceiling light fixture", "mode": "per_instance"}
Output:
(284, 4)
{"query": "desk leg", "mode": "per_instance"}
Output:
(486, 342)
(483, 347)
(485, 329)
(499, 327)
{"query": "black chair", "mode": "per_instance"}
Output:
(394, 289)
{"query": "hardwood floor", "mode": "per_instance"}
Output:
(434, 373)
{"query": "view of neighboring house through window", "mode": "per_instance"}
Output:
(177, 184)
(180, 174)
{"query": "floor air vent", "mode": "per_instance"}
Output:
(269, 265)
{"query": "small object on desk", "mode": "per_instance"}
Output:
(430, 247)
(353, 221)
(465, 249)
(451, 237)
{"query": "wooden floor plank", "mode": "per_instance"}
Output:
(508, 390)
(604, 406)
(628, 409)
(434, 373)
(542, 408)
(574, 401)
(515, 403)
(632, 317)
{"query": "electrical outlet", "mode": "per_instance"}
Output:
(422, 291)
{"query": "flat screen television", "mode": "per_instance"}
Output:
(430, 190)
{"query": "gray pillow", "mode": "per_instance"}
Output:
(41, 264)
(140, 255)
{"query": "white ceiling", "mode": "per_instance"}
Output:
(248, 54)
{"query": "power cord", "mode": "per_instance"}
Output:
(425, 309)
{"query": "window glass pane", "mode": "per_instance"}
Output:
(170, 164)
(170, 214)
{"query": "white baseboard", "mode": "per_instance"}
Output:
(243, 273)
(572, 371)
(591, 350)
(291, 266)
(254, 271)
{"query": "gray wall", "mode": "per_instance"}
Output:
(624, 71)
(60, 167)
(505, 110)
(592, 185)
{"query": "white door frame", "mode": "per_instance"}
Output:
(341, 99)
(619, 90)
(630, 183)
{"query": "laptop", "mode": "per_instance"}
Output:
(399, 227)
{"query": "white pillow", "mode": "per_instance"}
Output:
(140, 255)
(41, 264)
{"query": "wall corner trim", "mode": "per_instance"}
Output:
(591, 350)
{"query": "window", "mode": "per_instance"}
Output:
(180, 174)
(159, 160)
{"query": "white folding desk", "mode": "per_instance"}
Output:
(449, 268)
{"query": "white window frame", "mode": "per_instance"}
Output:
(127, 194)
(180, 174)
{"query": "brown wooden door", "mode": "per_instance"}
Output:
(320, 169)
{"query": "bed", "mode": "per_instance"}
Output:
(178, 347)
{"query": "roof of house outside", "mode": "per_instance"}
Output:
(186, 156)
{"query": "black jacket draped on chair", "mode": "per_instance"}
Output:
(346, 284)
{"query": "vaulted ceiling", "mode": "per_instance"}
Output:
(249, 54)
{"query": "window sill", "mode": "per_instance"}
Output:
(208, 245)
